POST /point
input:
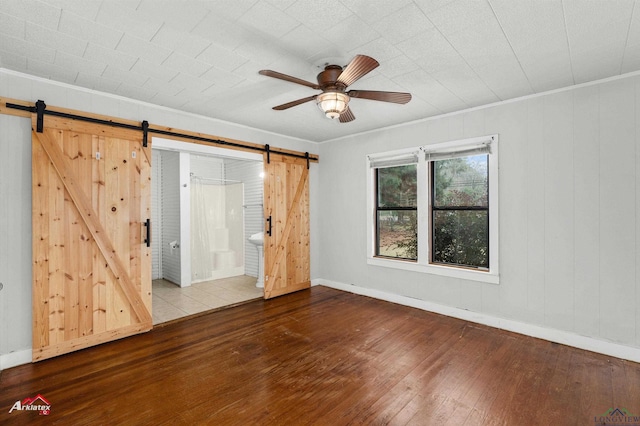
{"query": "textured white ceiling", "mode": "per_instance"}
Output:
(204, 56)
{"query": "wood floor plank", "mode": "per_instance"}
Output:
(411, 342)
(497, 371)
(476, 347)
(593, 386)
(534, 371)
(624, 375)
(323, 357)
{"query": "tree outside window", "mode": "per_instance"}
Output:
(460, 211)
(396, 212)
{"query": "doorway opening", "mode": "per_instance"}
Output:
(206, 202)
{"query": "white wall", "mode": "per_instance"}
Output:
(15, 178)
(169, 229)
(569, 212)
(15, 237)
(156, 215)
(207, 167)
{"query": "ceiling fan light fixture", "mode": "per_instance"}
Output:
(332, 104)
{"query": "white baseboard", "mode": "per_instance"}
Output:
(558, 336)
(13, 359)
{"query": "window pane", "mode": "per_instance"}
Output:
(461, 182)
(461, 237)
(397, 234)
(397, 186)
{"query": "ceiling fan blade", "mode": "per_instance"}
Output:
(395, 97)
(347, 116)
(357, 68)
(294, 103)
(288, 78)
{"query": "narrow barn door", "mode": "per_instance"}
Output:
(91, 263)
(286, 250)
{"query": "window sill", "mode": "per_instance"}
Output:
(447, 271)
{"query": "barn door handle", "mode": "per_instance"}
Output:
(147, 240)
(269, 222)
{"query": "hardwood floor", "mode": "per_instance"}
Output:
(325, 357)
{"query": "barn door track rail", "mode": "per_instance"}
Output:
(40, 109)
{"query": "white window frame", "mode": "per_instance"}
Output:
(423, 264)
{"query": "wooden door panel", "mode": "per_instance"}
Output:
(286, 251)
(42, 211)
(90, 192)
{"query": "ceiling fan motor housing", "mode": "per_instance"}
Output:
(328, 79)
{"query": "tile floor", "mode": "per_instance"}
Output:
(171, 301)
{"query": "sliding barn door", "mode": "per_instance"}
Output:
(286, 250)
(91, 264)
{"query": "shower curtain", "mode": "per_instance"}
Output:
(217, 229)
(206, 199)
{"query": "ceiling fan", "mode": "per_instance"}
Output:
(333, 81)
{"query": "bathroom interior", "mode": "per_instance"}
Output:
(206, 215)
